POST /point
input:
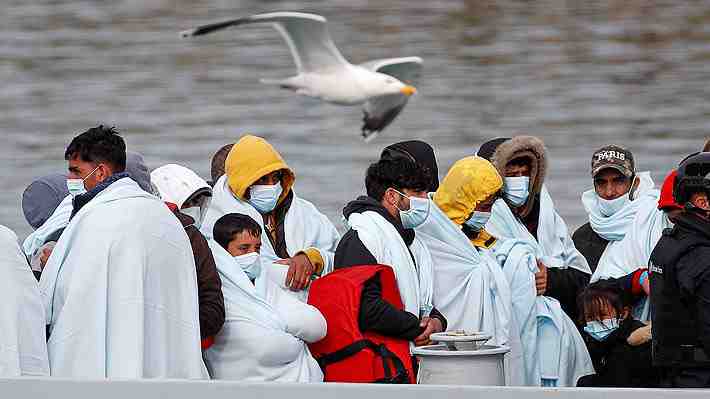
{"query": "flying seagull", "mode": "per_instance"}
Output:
(382, 86)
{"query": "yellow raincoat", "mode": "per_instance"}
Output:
(470, 181)
(252, 158)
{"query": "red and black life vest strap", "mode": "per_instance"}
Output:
(401, 376)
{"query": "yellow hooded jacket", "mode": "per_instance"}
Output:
(470, 181)
(252, 158)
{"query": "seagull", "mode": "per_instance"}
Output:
(382, 86)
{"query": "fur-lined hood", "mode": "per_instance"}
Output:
(503, 150)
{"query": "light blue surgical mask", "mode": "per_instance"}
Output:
(265, 197)
(517, 189)
(611, 207)
(76, 186)
(416, 214)
(250, 264)
(478, 220)
(600, 330)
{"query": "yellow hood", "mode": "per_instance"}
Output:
(249, 160)
(470, 181)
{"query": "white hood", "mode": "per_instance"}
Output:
(176, 183)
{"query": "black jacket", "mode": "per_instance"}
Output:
(618, 363)
(680, 295)
(589, 244)
(565, 286)
(209, 284)
(375, 313)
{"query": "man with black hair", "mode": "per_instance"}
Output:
(381, 232)
(120, 287)
(680, 282)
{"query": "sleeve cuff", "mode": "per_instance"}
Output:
(637, 280)
(315, 258)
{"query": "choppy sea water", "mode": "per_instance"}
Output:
(578, 74)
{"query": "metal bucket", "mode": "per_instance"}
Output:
(439, 365)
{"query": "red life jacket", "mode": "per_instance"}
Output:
(347, 354)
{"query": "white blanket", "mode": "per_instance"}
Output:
(621, 258)
(556, 248)
(302, 320)
(470, 288)
(305, 227)
(255, 343)
(23, 349)
(385, 243)
(553, 351)
(120, 292)
(58, 220)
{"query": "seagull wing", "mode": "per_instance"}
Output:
(306, 35)
(379, 112)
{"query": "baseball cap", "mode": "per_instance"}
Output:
(614, 157)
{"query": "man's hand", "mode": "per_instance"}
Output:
(541, 278)
(299, 273)
(431, 325)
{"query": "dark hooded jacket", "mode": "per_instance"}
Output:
(562, 284)
(418, 152)
(622, 360)
(375, 313)
(209, 285)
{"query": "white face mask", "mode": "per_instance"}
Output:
(76, 186)
(478, 220)
(250, 264)
(610, 207)
(517, 189)
(416, 214)
(265, 197)
(195, 212)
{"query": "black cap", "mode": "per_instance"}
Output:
(613, 157)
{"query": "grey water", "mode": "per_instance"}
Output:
(576, 73)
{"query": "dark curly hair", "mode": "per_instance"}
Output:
(231, 224)
(100, 144)
(399, 174)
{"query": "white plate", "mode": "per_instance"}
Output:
(460, 336)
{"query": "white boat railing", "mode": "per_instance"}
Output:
(55, 388)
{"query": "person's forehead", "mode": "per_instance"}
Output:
(247, 237)
(608, 173)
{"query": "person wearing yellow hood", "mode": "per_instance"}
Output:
(485, 283)
(259, 183)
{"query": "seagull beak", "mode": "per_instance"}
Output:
(408, 90)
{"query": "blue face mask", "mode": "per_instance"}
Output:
(76, 186)
(250, 264)
(265, 197)
(478, 220)
(610, 207)
(517, 190)
(600, 330)
(416, 214)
